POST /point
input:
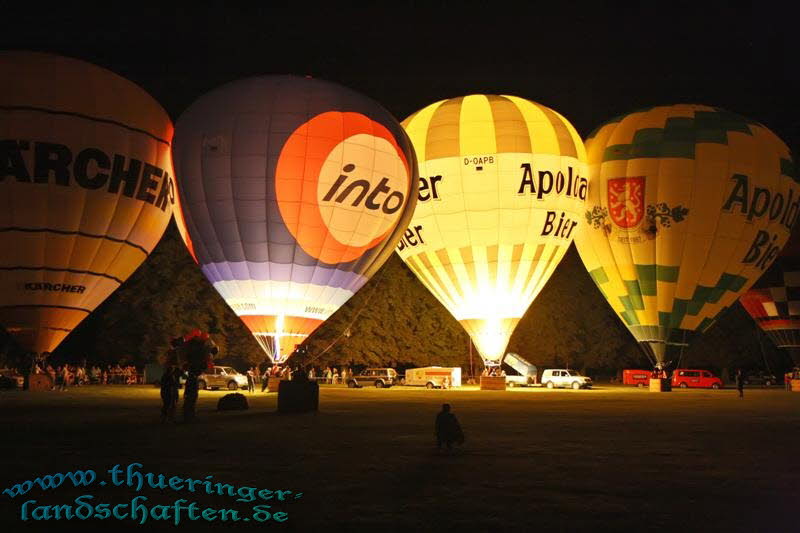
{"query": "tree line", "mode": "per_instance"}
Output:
(392, 321)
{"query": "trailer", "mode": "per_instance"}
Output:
(640, 378)
(519, 372)
(433, 377)
(153, 373)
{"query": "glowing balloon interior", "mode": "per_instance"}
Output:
(502, 188)
(295, 192)
(688, 205)
(86, 190)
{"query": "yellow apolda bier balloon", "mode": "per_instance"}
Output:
(502, 190)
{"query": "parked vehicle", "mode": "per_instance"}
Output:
(519, 372)
(696, 378)
(222, 376)
(433, 376)
(11, 378)
(561, 377)
(760, 378)
(380, 377)
(640, 378)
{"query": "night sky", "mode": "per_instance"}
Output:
(588, 63)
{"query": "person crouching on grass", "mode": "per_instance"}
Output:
(447, 429)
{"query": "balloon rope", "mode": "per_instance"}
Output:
(644, 347)
(680, 355)
(764, 355)
(378, 277)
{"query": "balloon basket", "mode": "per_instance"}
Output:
(493, 383)
(39, 382)
(794, 385)
(273, 385)
(298, 397)
(660, 385)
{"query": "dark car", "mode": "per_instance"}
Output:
(380, 377)
(760, 378)
(10, 379)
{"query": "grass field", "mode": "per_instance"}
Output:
(608, 459)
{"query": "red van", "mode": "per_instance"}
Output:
(686, 377)
(640, 378)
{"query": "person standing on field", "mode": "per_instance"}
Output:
(251, 380)
(740, 382)
(265, 379)
(64, 377)
(170, 382)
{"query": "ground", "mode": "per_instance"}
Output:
(607, 459)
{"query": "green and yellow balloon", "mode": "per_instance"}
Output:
(688, 206)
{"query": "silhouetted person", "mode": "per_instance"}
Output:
(300, 374)
(740, 382)
(170, 382)
(64, 373)
(265, 379)
(448, 430)
(251, 380)
(28, 369)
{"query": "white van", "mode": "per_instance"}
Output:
(433, 376)
(562, 377)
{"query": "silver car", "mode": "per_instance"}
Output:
(222, 376)
(563, 377)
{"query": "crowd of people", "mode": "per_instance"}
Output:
(63, 376)
(270, 372)
(328, 375)
(331, 375)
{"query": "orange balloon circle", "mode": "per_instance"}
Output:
(341, 182)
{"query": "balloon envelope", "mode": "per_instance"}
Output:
(296, 191)
(502, 188)
(774, 300)
(688, 206)
(86, 190)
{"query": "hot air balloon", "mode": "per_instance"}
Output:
(688, 206)
(774, 300)
(86, 190)
(296, 191)
(502, 189)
